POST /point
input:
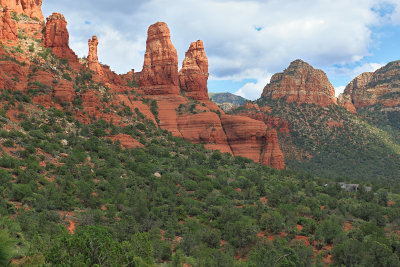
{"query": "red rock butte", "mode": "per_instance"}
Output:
(370, 88)
(301, 83)
(31, 8)
(193, 76)
(160, 68)
(56, 36)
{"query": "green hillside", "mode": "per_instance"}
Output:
(172, 202)
(332, 142)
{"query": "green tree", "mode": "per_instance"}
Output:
(6, 248)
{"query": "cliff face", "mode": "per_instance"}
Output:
(381, 87)
(8, 28)
(31, 8)
(191, 116)
(194, 73)
(301, 83)
(251, 139)
(56, 36)
(160, 68)
(237, 135)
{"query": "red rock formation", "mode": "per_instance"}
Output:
(251, 139)
(56, 36)
(93, 60)
(8, 28)
(301, 83)
(160, 68)
(381, 87)
(126, 141)
(64, 92)
(194, 73)
(31, 8)
(345, 101)
(253, 111)
(13, 76)
(204, 128)
(273, 155)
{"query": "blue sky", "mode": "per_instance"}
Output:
(246, 41)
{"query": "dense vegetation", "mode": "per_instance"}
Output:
(173, 202)
(72, 197)
(387, 119)
(332, 142)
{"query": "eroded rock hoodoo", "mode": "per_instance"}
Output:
(160, 69)
(193, 76)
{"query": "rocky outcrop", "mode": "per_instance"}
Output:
(126, 141)
(251, 139)
(204, 128)
(273, 155)
(301, 83)
(194, 73)
(345, 101)
(64, 92)
(56, 36)
(93, 60)
(160, 68)
(31, 8)
(380, 87)
(8, 28)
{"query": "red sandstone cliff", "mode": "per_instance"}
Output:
(251, 139)
(160, 68)
(301, 83)
(56, 36)
(380, 87)
(194, 73)
(8, 28)
(31, 8)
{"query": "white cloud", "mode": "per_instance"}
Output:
(367, 67)
(242, 38)
(253, 90)
(339, 90)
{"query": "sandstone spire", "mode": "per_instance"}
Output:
(93, 60)
(194, 73)
(160, 69)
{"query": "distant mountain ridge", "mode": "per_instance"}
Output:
(227, 101)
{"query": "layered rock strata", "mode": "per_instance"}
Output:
(301, 83)
(368, 89)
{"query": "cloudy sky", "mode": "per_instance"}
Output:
(246, 41)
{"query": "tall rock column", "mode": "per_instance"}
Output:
(160, 68)
(56, 36)
(8, 28)
(193, 76)
(93, 60)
